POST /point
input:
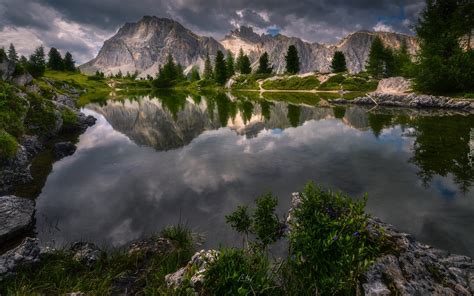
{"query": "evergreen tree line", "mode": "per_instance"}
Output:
(37, 64)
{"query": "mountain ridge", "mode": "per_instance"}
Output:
(143, 46)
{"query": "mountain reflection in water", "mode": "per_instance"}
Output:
(154, 161)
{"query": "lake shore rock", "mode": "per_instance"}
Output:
(16, 216)
(410, 101)
(28, 252)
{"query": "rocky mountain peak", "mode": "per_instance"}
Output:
(245, 32)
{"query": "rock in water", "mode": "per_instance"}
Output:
(16, 216)
(63, 149)
(28, 252)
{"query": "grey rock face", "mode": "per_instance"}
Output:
(28, 252)
(394, 85)
(416, 269)
(6, 70)
(145, 45)
(63, 149)
(16, 216)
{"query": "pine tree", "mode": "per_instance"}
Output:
(240, 57)
(208, 73)
(263, 67)
(376, 61)
(292, 60)
(3, 55)
(338, 62)
(37, 63)
(230, 64)
(444, 65)
(55, 61)
(119, 74)
(69, 63)
(245, 65)
(12, 55)
(220, 69)
(195, 74)
(403, 63)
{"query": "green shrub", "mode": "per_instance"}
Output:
(329, 243)
(41, 117)
(8, 146)
(69, 118)
(246, 81)
(12, 110)
(359, 84)
(237, 272)
(333, 83)
(292, 83)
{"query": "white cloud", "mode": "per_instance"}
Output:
(382, 27)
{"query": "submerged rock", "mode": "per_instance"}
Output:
(63, 149)
(28, 252)
(16, 216)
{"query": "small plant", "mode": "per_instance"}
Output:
(237, 272)
(329, 243)
(264, 224)
(69, 118)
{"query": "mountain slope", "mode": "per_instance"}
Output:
(145, 45)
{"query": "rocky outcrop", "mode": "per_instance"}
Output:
(16, 216)
(394, 85)
(6, 69)
(413, 268)
(86, 253)
(63, 149)
(145, 45)
(28, 252)
(194, 270)
(410, 101)
(23, 79)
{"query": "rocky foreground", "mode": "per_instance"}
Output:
(409, 268)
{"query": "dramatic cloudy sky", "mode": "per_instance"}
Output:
(81, 26)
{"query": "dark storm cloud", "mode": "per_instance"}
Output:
(316, 20)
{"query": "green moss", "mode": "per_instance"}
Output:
(8, 145)
(69, 118)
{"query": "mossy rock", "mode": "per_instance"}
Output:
(8, 146)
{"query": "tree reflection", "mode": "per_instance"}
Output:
(294, 113)
(442, 146)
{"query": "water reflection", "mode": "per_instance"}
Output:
(159, 159)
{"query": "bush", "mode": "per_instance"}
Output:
(359, 84)
(69, 118)
(12, 111)
(246, 81)
(333, 83)
(8, 146)
(330, 246)
(237, 272)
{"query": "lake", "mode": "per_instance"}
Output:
(168, 158)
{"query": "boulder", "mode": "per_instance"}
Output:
(194, 270)
(6, 69)
(63, 149)
(16, 216)
(86, 253)
(394, 85)
(23, 79)
(28, 252)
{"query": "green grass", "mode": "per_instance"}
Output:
(246, 82)
(97, 90)
(8, 146)
(292, 83)
(58, 273)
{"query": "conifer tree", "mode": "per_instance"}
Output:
(69, 63)
(208, 73)
(55, 61)
(220, 69)
(292, 60)
(3, 55)
(338, 63)
(240, 57)
(245, 65)
(376, 60)
(37, 63)
(195, 74)
(230, 64)
(263, 66)
(12, 55)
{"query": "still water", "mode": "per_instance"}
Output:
(152, 161)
